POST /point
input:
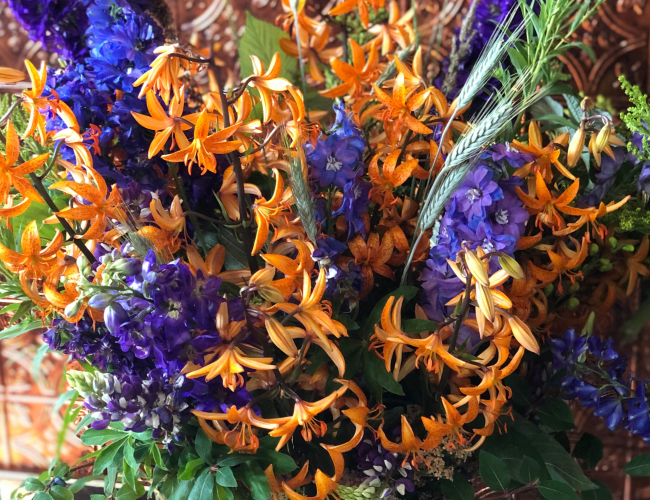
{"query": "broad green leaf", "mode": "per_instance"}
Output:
(190, 469)
(528, 470)
(589, 449)
(262, 39)
(556, 415)
(61, 493)
(98, 497)
(376, 374)
(224, 493)
(556, 490)
(253, 477)
(92, 437)
(458, 489)
(41, 495)
(128, 474)
(109, 480)
(494, 471)
(639, 466)
(106, 456)
(226, 478)
(203, 487)
(203, 446)
(282, 463)
(602, 493)
(33, 484)
(19, 329)
(416, 326)
(554, 455)
(81, 482)
(128, 456)
(157, 457)
(183, 490)
(127, 492)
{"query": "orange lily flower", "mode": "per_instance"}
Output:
(634, 266)
(304, 415)
(590, 215)
(10, 75)
(400, 106)
(611, 141)
(314, 313)
(547, 206)
(445, 113)
(228, 193)
(391, 176)
(357, 74)
(100, 208)
(214, 263)
(203, 146)
(562, 263)
(287, 20)
(75, 141)
(372, 256)
(313, 51)
(14, 176)
(238, 115)
(397, 29)
(165, 125)
(413, 79)
(544, 155)
(34, 262)
(454, 422)
(267, 82)
(174, 221)
(70, 294)
(293, 268)
(269, 289)
(265, 211)
(163, 77)
(227, 359)
(363, 5)
(298, 480)
(410, 446)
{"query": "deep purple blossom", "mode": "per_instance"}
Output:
(477, 192)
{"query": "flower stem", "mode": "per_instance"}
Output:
(183, 195)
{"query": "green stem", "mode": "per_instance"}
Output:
(181, 192)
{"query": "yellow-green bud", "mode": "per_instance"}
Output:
(602, 139)
(576, 146)
(572, 303)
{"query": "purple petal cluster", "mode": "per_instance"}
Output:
(595, 375)
(344, 278)
(381, 468)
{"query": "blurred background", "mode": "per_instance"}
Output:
(32, 385)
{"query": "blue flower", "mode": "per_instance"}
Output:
(477, 192)
(334, 160)
(356, 198)
(568, 350)
(603, 350)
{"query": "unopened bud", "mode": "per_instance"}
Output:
(613, 242)
(602, 139)
(594, 249)
(587, 104)
(548, 289)
(477, 268)
(574, 287)
(576, 146)
(72, 308)
(128, 267)
(605, 265)
(628, 248)
(82, 262)
(572, 303)
(270, 293)
(101, 300)
(81, 381)
(511, 266)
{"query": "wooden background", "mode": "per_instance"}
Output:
(620, 37)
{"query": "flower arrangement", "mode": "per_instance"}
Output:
(338, 275)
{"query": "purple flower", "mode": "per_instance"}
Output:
(477, 192)
(507, 216)
(334, 160)
(356, 198)
(567, 350)
(515, 158)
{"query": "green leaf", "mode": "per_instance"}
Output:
(282, 463)
(81, 482)
(87, 419)
(262, 39)
(589, 449)
(97, 497)
(556, 415)
(157, 457)
(253, 477)
(375, 372)
(127, 492)
(416, 326)
(528, 470)
(106, 456)
(183, 490)
(128, 456)
(458, 489)
(128, 474)
(494, 471)
(224, 493)
(41, 495)
(109, 480)
(556, 490)
(203, 486)
(226, 478)
(203, 445)
(639, 466)
(36, 363)
(61, 493)
(190, 469)
(632, 327)
(408, 292)
(554, 455)
(19, 329)
(92, 437)
(33, 484)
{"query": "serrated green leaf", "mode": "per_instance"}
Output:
(494, 471)
(639, 466)
(203, 487)
(556, 490)
(226, 478)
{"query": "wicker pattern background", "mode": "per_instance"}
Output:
(619, 36)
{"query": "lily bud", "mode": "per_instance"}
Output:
(522, 333)
(576, 146)
(587, 104)
(270, 293)
(485, 301)
(477, 268)
(511, 266)
(602, 139)
(128, 267)
(101, 300)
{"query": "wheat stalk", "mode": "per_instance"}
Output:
(298, 176)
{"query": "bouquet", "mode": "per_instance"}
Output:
(360, 270)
